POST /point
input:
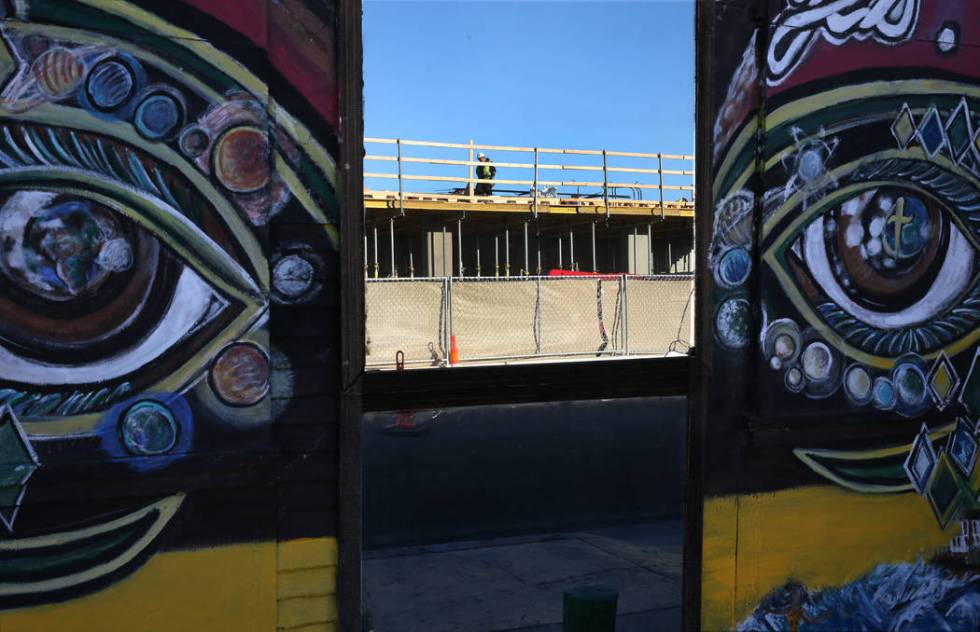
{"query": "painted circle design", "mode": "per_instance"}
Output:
(947, 39)
(858, 384)
(193, 141)
(883, 394)
(58, 72)
(910, 384)
(157, 116)
(794, 380)
(784, 346)
(240, 375)
(732, 323)
(733, 219)
(817, 361)
(781, 343)
(110, 85)
(810, 165)
(241, 159)
(734, 268)
(148, 428)
(292, 276)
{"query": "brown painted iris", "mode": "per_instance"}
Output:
(886, 246)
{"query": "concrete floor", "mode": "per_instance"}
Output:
(492, 471)
(516, 584)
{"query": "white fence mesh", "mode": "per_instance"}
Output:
(527, 317)
(407, 315)
(493, 318)
(658, 313)
(571, 321)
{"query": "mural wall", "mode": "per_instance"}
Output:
(842, 434)
(168, 292)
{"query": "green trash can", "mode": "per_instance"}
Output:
(589, 609)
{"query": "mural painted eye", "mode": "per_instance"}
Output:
(890, 270)
(80, 279)
(111, 281)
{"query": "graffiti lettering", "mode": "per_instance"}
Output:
(806, 21)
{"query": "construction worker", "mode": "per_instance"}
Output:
(485, 171)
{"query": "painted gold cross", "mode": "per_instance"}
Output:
(900, 219)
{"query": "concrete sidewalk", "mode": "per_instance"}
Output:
(516, 584)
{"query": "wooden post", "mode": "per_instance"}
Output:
(534, 187)
(605, 182)
(469, 176)
(660, 172)
(401, 188)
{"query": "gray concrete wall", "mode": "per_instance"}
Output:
(504, 470)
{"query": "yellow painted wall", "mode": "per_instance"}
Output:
(821, 536)
(241, 588)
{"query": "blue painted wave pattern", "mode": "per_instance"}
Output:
(920, 596)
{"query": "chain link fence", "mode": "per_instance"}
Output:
(408, 316)
(494, 319)
(660, 311)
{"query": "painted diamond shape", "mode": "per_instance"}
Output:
(959, 132)
(962, 446)
(943, 381)
(17, 462)
(931, 133)
(921, 460)
(944, 492)
(970, 393)
(903, 128)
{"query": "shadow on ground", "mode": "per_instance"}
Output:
(483, 478)
(516, 584)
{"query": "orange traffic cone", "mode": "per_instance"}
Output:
(453, 351)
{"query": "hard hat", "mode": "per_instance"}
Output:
(481, 155)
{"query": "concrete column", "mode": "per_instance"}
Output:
(635, 248)
(439, 253)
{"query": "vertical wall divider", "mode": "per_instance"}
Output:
(700, 361)
(349, 485)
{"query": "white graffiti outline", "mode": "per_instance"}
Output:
(805, 21)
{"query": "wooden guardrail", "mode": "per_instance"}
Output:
(538, 188)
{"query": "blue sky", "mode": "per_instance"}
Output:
(565, 74)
